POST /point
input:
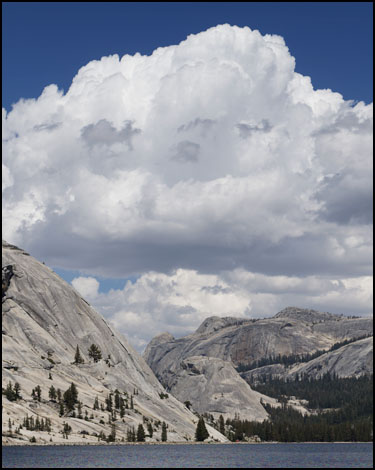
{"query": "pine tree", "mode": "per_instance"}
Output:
(149, 429)
(141, 433)
(122, 408)
(221, 425)
(78, 359)
(117, 399)
(9, 392)
(96, 403)
(17, 388)
(71, 397)
(95, 352)
(108, 402)
(164, 432)
(36, 393)
(201, 432)
(67, 429)
(79, 406)
(130, 435)
(52, 393)
(112, 436)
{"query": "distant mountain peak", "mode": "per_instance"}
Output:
(215, 323)
(199, 367)
(305, 314)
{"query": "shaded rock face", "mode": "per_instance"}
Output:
(351, 360)
(6, 274)
(213, 386)
(291, 331)
(44, 319)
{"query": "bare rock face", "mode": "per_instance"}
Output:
(44, 319)
(351, 360)
(292, 331)
(6, 276)
(212, 324)
(233, 340)
(213, 386)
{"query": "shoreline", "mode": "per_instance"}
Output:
(26, 444)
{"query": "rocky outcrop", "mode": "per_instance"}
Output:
(213, 386)
(293, 331)
(212, 324)
(44, 319)
(352, 360)
(6, 276)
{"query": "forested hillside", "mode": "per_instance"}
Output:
(341, 410)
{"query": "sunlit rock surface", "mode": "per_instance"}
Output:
(44, 319)
(293, 331)
(214, 386)
(352, 360)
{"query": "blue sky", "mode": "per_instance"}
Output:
(47, 42)
(217, 155)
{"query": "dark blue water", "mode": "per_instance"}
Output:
(192, 456)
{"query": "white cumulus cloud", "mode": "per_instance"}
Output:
(208, 156)
(179, 302)
(87, 286)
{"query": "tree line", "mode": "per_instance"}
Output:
(285, 424)
(342, 410)
(328, 391)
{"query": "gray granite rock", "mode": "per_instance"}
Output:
(234, 340)
(44, 319)
(213, 386)
(351, 360)
(292, 331)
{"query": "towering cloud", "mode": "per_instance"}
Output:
(210, 155)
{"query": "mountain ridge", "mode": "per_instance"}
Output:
(44, 320)
(291, 332)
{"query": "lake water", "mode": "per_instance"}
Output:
(191, 456)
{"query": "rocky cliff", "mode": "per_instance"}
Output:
(213, 386)
(351, 360)
(293, 331)
(44, 320)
